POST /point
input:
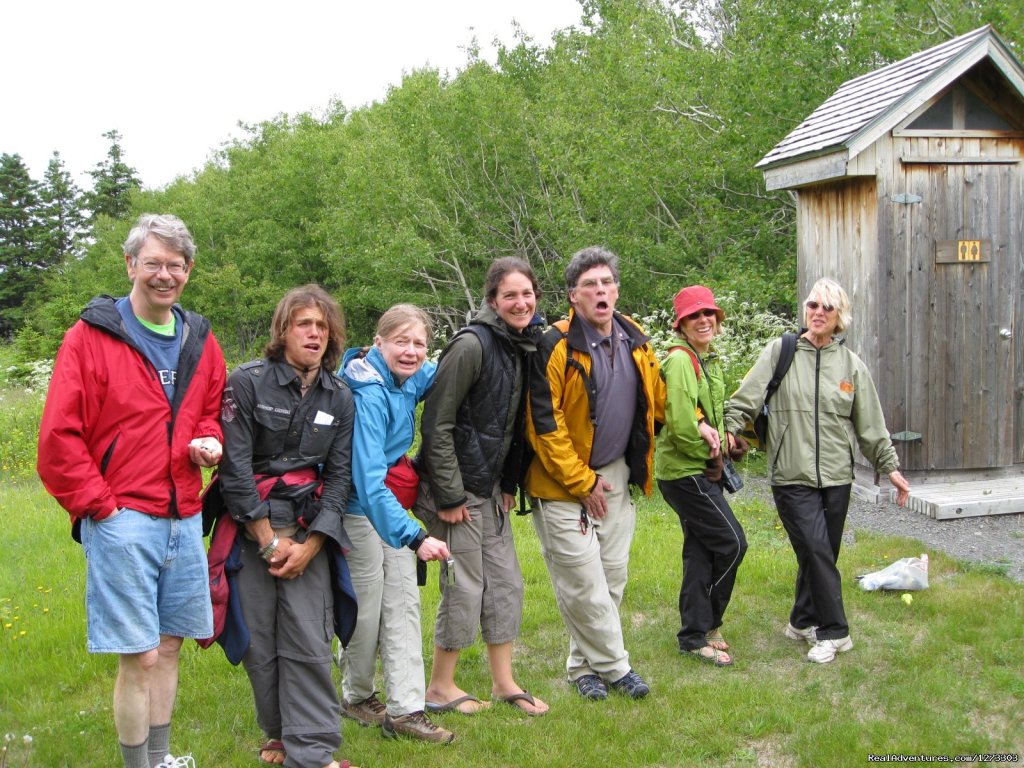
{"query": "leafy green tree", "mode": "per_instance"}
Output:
(638, 129)
(114, 181)
(20, 235)
(61, 213)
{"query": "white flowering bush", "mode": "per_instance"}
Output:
(32, 376)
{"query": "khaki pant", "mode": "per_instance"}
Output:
(588, 572)
(384, 579)
(487, 588)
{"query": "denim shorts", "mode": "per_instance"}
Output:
(145, 576)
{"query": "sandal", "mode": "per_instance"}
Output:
(276, 755)
(710, 655)
(518, 700)
(465, 705)
(716, 641)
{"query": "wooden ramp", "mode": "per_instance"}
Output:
(968, 498)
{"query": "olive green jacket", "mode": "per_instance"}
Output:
(825, 407)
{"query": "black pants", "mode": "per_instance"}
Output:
(814, 518)
(713, 548)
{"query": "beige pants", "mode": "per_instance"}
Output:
(588, 572)
(486, 588)
(384, 579)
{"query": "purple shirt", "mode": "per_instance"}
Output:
(615, 379)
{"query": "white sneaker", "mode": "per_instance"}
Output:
(800, 635)
(170, 761)
(824, 651)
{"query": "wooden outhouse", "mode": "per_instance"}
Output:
(909, 186)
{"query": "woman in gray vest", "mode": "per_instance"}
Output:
(472, 461)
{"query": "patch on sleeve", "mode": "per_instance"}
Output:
(227, 406)
(846, 387)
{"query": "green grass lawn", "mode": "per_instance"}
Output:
(942, 676)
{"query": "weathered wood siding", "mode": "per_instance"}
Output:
(837, 238)
(929, 332)
(960, 376)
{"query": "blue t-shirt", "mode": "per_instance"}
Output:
(161, 350)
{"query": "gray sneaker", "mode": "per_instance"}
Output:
(368, 712)
(591, 687)
(632, 685)
(418, 726)
(806, 635)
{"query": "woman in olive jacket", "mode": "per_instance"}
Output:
(472, 457)
(825, 408)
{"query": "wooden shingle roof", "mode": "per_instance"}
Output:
(864, 108)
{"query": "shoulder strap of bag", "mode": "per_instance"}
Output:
(786, 354)
(693, 358)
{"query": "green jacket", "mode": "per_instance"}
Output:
(825, 407)
(681, 451)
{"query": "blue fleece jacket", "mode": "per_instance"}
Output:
(384, 429)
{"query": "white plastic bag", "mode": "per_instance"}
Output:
(908, 573)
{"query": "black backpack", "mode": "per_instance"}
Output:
(781, 367)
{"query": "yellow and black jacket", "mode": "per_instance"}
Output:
(560, 408)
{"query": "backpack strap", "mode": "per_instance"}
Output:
(693, 358)
(562, 328)
(785, 360)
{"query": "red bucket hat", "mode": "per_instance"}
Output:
(692, 299)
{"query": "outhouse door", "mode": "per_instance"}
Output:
(963, 289)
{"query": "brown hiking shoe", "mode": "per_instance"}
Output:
(367, 712)
(418, 726)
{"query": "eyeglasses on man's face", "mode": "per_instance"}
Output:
(590, 283)
(151, 267)
(813, 306)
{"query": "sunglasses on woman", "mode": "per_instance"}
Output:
(701, 313)
(813, 306)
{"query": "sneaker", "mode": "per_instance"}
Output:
(418, 726)
(591, 687)
(632, 685)
(368, 712)
(825, 651)
(800, 635)
(170, 761)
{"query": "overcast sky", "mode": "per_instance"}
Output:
(176, 78)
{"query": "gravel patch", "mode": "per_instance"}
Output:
(996, 540)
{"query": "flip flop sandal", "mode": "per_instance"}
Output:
(513, 700)
(436, 708)
(710, 655)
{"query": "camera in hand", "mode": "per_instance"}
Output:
(731, 479)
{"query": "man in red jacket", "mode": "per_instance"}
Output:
(131, 415)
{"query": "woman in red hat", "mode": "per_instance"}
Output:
(688, 464)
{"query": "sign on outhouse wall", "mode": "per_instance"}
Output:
(963, 251)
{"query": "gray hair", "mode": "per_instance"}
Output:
(168, 229)
(828, 291)
(588, 258)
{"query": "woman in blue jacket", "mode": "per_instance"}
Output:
(388, 381)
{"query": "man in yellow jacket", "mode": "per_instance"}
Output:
(596, 394)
